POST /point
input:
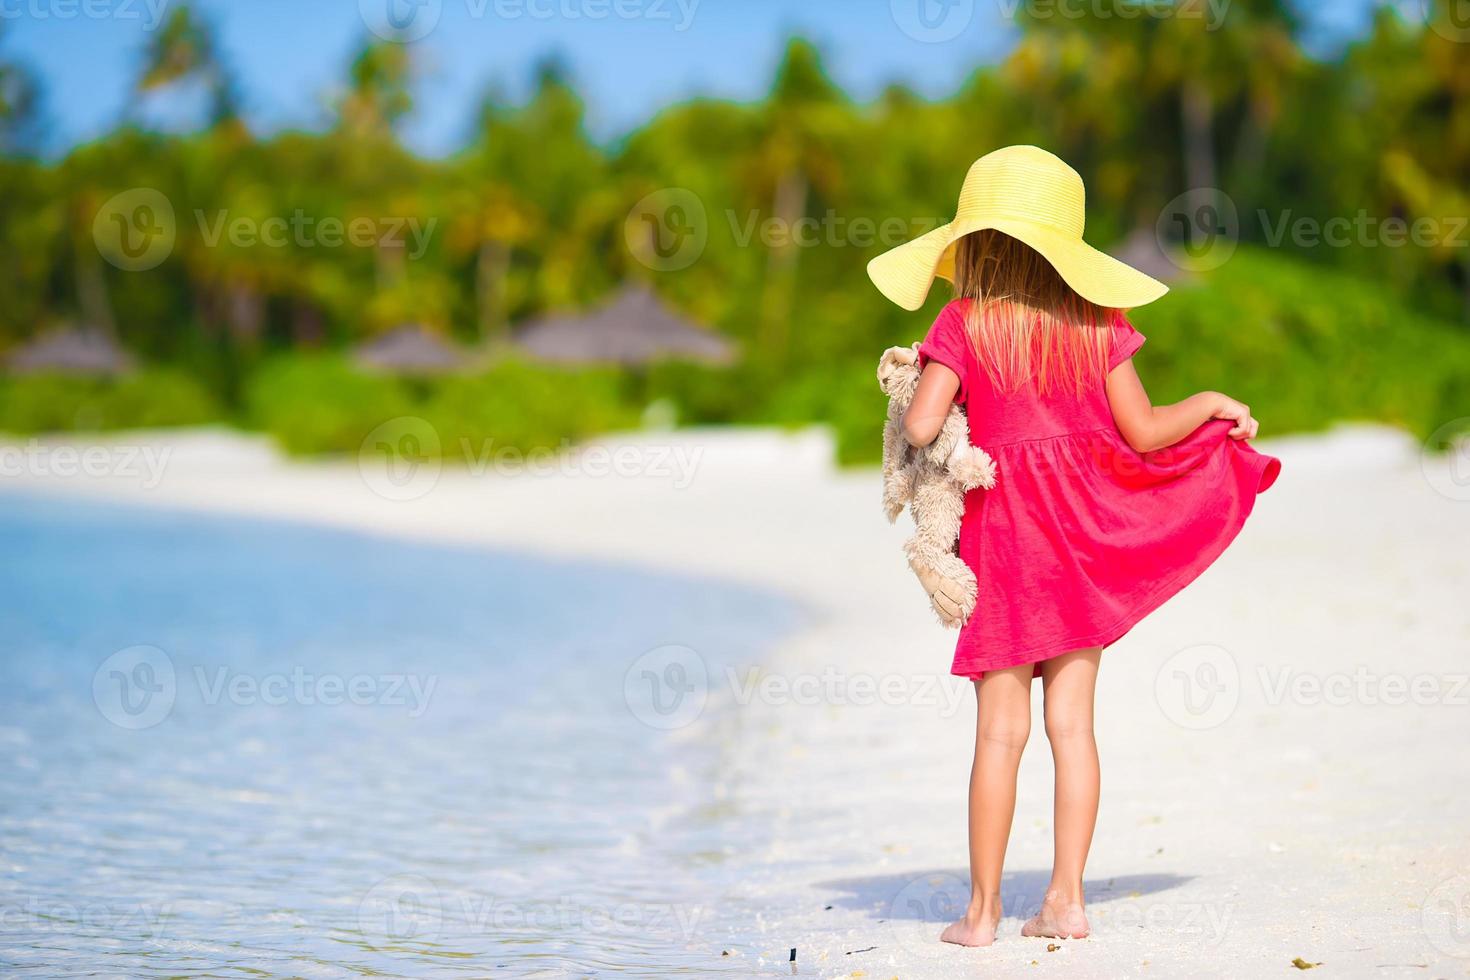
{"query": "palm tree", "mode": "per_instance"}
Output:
(378, 94)
(184, 49)
(797, 151)
(19, 105)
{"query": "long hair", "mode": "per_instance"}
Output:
(1024, 321)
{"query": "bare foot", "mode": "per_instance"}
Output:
(972, 930)
(1059, 918)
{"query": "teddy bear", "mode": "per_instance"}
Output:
(932, 480)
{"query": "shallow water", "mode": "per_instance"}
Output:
(240, 748)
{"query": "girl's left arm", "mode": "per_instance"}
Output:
(925, 416)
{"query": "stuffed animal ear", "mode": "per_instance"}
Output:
(897, 369)
(893, 359)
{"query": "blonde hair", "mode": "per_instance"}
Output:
(1024, 321)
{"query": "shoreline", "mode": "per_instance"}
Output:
(1291, 825)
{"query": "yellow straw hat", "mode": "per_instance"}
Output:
(1031, 195)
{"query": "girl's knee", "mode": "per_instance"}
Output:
(1009, 730)
(1067, 726)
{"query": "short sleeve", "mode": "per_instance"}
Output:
(1126, 342)
(948, 343)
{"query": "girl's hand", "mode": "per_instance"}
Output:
(1240, 414)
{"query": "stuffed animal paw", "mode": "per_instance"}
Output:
(952, 599)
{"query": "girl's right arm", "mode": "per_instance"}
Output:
(1147, 427)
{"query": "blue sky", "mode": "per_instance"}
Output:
(629, 57)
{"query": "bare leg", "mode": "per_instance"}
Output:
(1069, 682)
(1002, 724)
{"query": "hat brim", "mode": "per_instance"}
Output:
(906, 273)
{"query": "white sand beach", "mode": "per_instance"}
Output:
(1283, 744)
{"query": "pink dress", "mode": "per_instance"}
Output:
(1082, 537)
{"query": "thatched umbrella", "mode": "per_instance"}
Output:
(635, 328)
(409, 349)
(70, 350)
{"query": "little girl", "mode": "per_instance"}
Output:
(1105, 505)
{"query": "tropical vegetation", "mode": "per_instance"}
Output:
(251, 316)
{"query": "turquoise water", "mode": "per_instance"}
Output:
(241, 748)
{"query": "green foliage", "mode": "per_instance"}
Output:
(143, 399)
(843, 395)
(532, 215)
(321, 404)
(519, 407)
(315, 404)
(707, 395)
(1305, 346)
